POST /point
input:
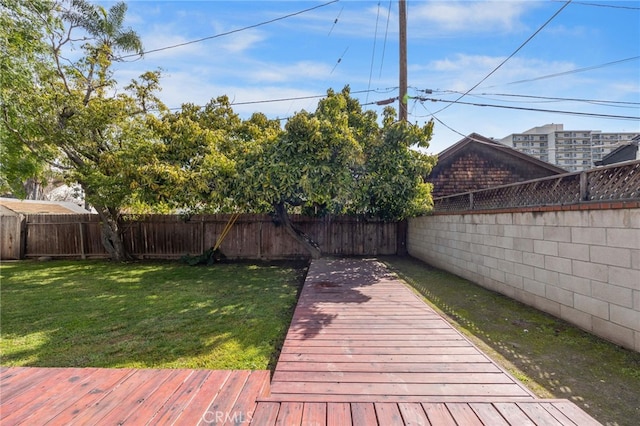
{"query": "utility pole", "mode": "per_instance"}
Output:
(402, 113)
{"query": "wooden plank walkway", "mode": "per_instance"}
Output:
(360, 334)
(83, 396)
(364, 349)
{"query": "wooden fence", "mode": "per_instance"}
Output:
(171, 237)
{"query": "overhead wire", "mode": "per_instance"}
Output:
(237, 30)
(384, 45)
(559, 74)
(548, 98)
(522, 45)
(335, 21)
(612, 6)
(373, 53)
(585, 114)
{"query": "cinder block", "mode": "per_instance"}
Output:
(575, 284)
(635, 259)
(559, 295)
(625, 317)
(516, 256)
(611, 256)
(552, 218)
(490, 262)
(523, 244)
(533, 259)
(573, 218)
(506, 266)
(590, 305)
(612, 293)
(497, 275)
(504, 218)
(624, 277)
(504, 242)
(629, 238)
(545, 247)
(592, 236)
(557, 264)
(546, 276)
(513, 280)
(557, 233)
(534, 287)
(633, 218)
(636, 300)
(546, 305)
(609, 218)
(524, 271)
(573, 251)
(614, 333)
(593, 271)
(576, 317)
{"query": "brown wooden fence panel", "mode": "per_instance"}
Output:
(170, 236)
(11, 231)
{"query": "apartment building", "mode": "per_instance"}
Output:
(572, 150)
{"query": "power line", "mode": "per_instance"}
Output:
(612, 6)
(298, 98)
(373, 53)
(510, 56)
(271, 21)
(597, 101)
(386, 33)
(585, 114)
(559, 74)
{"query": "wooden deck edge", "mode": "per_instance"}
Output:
(280, 398)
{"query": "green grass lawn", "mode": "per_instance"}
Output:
(553, 358)
(145, 315)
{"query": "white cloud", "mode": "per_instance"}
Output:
(242, 41)
(475, 16)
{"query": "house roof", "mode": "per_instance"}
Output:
(490, 144)
(626, 152)
(477, 162)
(13, 205)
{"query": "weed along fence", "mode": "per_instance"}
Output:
(171, 237)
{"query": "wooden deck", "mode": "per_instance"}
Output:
(362, 349)
(360, 334)
(93, 396)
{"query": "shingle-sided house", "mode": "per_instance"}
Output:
(477, 162)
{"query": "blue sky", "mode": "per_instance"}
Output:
(452, 46)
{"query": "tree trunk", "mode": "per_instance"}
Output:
(112, 235)
(306, 241)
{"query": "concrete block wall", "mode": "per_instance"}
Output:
(580, 265)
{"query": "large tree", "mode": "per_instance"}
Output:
(336, 160)
(62, 110)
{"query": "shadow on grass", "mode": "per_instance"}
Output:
(160, 315)
(553, 358)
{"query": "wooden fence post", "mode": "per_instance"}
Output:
(83, 254)
(584, 187)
